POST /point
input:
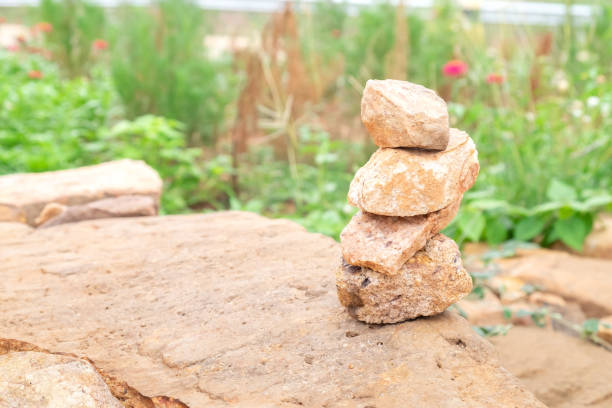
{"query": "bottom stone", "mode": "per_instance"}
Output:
(427, 284)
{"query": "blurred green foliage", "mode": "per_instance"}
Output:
(543, 134)
(75, 25)
(159, 66)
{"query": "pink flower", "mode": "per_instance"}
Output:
(494, 78)
(35, 74)
(454, 68)
(12, 47)
(100, 45)
(43, 27)
(2, 20)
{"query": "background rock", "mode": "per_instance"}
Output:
(384, 244)
(403, 114)
(586, 281)
(31, 379)
(233, 308)
(563, 371)
(123, 206)
(599, 242)
(23, 196)
(404, 182)
(37, 377)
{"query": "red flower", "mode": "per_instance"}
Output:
(100, 45)
(2, 20)
(43, 27)
(495, 78)
(35, 74)
(12, 47)
(454, 68)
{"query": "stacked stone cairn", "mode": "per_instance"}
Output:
(396, 265)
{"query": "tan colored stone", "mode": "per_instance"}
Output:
(403, 114)
(408, 182)
(50, 211)
(384, 244)
(508, 288)
(122, 206)
(586, 281)
(427, 284)
(487, 311)
(21, 354)
(563, 371)
(31, 379)
(605, 329)
(23, 196)
(228, 309)
(599, 242)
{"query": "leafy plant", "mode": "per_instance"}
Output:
(75, 25)
(491, 331)
(160, 66)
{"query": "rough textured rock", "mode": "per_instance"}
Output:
(384, 244)
(233, 308)
(30, 379)
(403, 114)
(586, 281)
(605, 329)
(599, 242)
(427, 284)
(67, 380)
(123, 206)
(23, 196)
(403, 182)
(487, 311)
(563, 371)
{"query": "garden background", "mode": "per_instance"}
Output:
(261, 112)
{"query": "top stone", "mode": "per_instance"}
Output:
(403, 114)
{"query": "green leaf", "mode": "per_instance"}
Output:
(590, 326)
(495, 231)
(559, 191)
(528, 228)
(471, 224)
(573, 230)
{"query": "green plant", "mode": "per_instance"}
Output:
(160, 66)
(161, 143)
(313, 193)
(75, 26)
(48, 123)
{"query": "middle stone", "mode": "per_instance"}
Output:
(408, 182)
(384, 243)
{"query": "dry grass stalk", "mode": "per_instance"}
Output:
(396, 64)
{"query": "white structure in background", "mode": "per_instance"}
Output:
(489, 11)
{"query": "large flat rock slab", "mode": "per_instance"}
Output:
(563, 371)
(586, 281)
(23, 196)
(233, 309)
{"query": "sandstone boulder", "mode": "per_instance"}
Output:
(403, 114)
(123, 206)
(23, 196)
(605, 329)
(384, 244)
(233, 308)
(563, 371)
(31, 376)
(404, 182)
(599, 242)
(32, 379)
(427, 284)
(585, 281)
